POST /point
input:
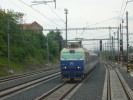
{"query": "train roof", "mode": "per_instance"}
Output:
(80, 50)
(67, 49)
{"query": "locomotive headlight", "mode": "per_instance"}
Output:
(65, 67)
(79, 67)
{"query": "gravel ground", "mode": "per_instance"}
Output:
(92, 89)
(127, 77)
(33, 93)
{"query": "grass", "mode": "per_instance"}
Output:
(16, 67)
(3, 67)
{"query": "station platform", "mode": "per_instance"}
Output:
(113, 85)
(128, 77)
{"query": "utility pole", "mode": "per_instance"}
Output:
(100, 43)
(110, 42)
(47, 50)
(121, 46)
(66, 12)
(8, 39)
(122, 40)
(112, 49)
(122, 30)
(8, 42)
(108, 49)
(118, 44)
(103, 54)
(114, 45)
(127, 34)
(105, 51)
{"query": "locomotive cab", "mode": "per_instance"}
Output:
(72, 64)
(75, 63)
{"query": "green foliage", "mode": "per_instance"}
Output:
(26, 47)
(17, 17)
(55, 43)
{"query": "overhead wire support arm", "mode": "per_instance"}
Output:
(93, 39)
(43, 2)
(129, 1)
(91, 28)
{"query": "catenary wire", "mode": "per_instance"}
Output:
(120, 13)
(41, 13)
(96, 24)
(124, 8)
(27, 12)
(58, 16)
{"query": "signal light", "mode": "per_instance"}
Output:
(121, 45)
(100, 45)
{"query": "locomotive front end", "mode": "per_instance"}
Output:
(72, 64)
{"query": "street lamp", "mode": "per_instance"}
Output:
(66, 12)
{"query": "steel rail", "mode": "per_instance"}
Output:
(126, 91)
(123, 85)
(13, 90)
(108, 84)
(13, 77)
(46, 95)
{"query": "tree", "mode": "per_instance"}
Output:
(55, 43)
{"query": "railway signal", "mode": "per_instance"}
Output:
(100, 45)
(121, 45)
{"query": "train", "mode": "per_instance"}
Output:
(75, 63)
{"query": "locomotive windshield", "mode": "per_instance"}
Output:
(75, 55)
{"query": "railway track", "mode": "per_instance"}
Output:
(12, 90)
(59, 92)
(13, 77)
(116, 87)
(25, 79)
(64, 90)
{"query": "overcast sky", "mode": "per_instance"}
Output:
(81, 13)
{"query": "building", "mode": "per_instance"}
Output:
(33, 26)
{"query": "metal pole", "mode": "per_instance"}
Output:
(121, 51)
(47, 50)
(118, 44)
(122, 31)
(127, 34)
(8, 39)
(97, 47)
(66, 12)
(108, 48)
(112, 48)
(105, 51)
(110, 41)
(8, 43)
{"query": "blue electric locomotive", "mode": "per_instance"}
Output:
(76, 62)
